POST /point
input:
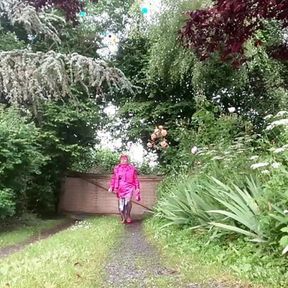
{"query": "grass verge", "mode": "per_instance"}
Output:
(72, 258)
(200, 260)
(20, 233)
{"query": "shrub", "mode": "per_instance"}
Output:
(7, 203)
(20, 159)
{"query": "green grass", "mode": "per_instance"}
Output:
(228, 261)
(19, 234)
(71, 258)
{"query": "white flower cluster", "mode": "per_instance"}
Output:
(282, 122)
(281, 114)
(217, 158)
(222, 154)
(279, 149)
(274, 165)
(259, 165)
(194, 150)
(268, 117)
(277, 121)
(80, 225)
(231, 109)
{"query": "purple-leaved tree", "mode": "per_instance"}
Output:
(228, 24)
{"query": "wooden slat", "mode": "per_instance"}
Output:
(87, 193)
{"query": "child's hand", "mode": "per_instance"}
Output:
(110, 190)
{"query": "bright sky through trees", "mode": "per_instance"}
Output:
(148, 8)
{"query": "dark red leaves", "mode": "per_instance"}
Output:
(71, 8)
(226, 26)
(279, 53)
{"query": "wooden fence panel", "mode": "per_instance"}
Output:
(87, 193)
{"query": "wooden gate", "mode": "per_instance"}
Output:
(87, 193)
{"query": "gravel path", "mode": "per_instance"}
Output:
(134, 263)
(134, 260)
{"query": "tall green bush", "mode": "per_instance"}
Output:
(20, 158)
(214, 194)
(68, 133)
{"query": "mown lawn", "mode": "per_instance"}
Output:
(19, 234)
(200, 260)
(71, 258)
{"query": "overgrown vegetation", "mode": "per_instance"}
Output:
(52, 98)
(224, 107)
(227, 157)
(228, 262)
(233, 192)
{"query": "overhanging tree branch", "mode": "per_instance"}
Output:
(25, 75)
(34, 22)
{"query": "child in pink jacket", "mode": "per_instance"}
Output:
(124, 184)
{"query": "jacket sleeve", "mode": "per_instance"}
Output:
(136, 182)
(114, 180)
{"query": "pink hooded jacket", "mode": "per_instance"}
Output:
(125, 180)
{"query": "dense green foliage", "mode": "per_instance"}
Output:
(42, 140)
(20, 159)
(226, 163)
(68, 132)
(233, 189)
(173, 82)
(99, 161)
(33, 159)
(156, 63)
